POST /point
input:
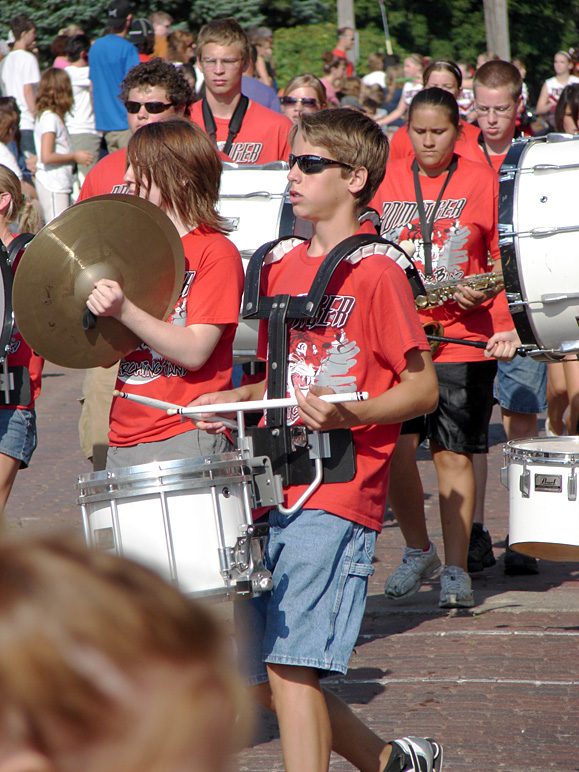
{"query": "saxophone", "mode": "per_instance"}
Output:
(439, 293)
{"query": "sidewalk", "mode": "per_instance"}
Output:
(498, 685)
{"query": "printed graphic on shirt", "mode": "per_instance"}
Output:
(243, 152)
(121, 189)
(145, 364)
(449, 238)
(320, 352)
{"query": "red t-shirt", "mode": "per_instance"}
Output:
(401, 146)
(474, 151)
(106, 176)
(211, 295)
(464, 233)
(358, 342)
(21, 355)
(263, 136)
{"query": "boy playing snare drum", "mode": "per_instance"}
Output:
(368, 338)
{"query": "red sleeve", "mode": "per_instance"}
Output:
(218, 283)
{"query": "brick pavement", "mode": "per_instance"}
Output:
(498, 685)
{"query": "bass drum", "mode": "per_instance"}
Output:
(539, 243)
(254, 199)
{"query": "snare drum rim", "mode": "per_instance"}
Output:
(165, 473)
(513, 453)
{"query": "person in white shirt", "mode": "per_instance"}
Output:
(80, 121)
(53, 147)
(20, 78)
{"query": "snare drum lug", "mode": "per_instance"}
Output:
(525, 483)
(572, 486)
(505, 476)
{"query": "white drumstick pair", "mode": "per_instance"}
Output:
(235, 407)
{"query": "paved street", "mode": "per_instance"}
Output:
(498, 685)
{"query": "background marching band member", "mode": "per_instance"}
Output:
(320, 556)
(447, 205)
(17, 422)
(445, 74)
(174, 165)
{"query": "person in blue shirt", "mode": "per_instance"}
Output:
(110, 59)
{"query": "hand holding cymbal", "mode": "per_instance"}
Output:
(121, 238)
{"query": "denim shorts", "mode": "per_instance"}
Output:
(18, 434)
(320, 565)
(521, 385)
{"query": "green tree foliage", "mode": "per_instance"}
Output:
(247, 12)
(304, 29)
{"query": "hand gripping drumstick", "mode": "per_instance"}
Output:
(265, 404)
(235, 407)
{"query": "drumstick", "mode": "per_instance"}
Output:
(265, 404)
(170, 407)
(148, 401)
(474, 343)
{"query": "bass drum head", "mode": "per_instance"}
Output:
(539, 241)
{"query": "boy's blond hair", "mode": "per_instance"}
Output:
(351, 137)
(224, 32)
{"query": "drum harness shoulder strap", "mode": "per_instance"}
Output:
(281, 311)
(483, 145)
(427, 226)
(234, 124)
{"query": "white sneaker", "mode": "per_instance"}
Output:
(415, 754)
(416, 567)
(455, 588)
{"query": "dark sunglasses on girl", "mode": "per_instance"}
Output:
(153, 108)
(313, 164)
(305, 102)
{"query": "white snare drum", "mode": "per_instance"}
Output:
(189, 520)
(255, 201)
(542, 477)
(539, 241)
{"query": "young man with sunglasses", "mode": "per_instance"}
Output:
(152, 91)
(245, 131)
(366, 336)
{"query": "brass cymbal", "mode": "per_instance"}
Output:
(118, 237)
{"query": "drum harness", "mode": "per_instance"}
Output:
(234, 124)
(14, 381)
(299, 456)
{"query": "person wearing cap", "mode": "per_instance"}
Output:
(142, 36)
(110, 59)
(20, 78)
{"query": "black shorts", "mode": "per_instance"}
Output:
(461, 421)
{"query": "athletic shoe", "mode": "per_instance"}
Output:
(550, 433)
(414, 754)
(519, 565)
(480, 549)
(455, 588)
(417, 566)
